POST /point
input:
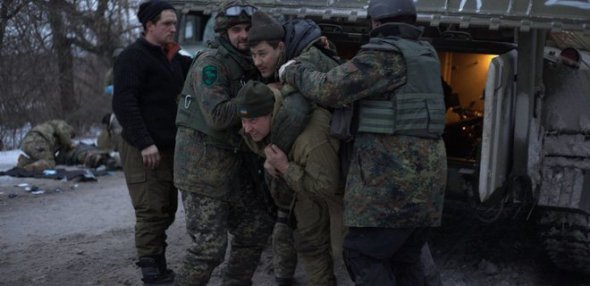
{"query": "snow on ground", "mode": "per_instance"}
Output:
(8, 159)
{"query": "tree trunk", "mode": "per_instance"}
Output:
(62, 49)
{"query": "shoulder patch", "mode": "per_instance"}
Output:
(209, 75)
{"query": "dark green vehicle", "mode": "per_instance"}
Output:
(517, 89)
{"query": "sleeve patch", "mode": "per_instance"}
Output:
(209, 75)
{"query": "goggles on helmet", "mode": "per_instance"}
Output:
(237, 10)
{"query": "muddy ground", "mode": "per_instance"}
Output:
(82, 234)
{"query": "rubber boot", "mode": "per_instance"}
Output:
(154, 270)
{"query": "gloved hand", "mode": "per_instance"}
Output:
(282, 70)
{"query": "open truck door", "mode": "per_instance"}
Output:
(498, 124)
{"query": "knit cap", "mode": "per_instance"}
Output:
(255, 99)
(149, 10)
(264, 28)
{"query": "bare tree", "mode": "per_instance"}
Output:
(8, 9)
(53, 57)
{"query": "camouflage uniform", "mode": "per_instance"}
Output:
(312, 177)
(42, 143)
(213, 171)
(395, 185)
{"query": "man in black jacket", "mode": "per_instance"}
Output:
(148, 76)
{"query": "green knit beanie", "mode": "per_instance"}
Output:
(255, 99)
(264, 28)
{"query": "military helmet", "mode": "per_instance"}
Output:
(233, 12)
(384, 9)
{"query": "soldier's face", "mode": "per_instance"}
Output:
(257, 127)
(238, 36)
(266, 57)
(162, 32)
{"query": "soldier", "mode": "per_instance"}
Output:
(148, 77)
(212, 166)
(110, 134)
(396, 180)
(87, 154)
(310, 172)
(43, 142)
(271, 44)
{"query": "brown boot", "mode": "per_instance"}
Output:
(40, 165)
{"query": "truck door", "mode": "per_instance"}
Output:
(498, 124)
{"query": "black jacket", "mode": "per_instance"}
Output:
(146, 87)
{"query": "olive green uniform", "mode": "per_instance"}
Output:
(312, 177)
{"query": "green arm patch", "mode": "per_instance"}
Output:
(209, 75)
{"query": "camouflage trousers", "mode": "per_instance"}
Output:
(37, 149)
(86, 154)
(221, 193)
(284, 255)
(153, 196)
(208, 222)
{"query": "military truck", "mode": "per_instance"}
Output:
(517, 88)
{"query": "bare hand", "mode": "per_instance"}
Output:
(275, 85)
(271, 170)
(276, 158)
(151, 156)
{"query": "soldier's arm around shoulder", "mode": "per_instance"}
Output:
(210, 83)
(369, 72)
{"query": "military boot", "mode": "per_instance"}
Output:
(155, 271)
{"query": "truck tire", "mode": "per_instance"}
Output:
(566, 238)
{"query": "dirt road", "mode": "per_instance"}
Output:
(82, 234)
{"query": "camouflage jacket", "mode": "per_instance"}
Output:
(313, 159)
(209, 94)
(393, 181)
(58, 134)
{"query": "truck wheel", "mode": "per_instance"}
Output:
(566, 237)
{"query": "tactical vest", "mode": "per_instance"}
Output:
(414, 109)
(189, 113)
